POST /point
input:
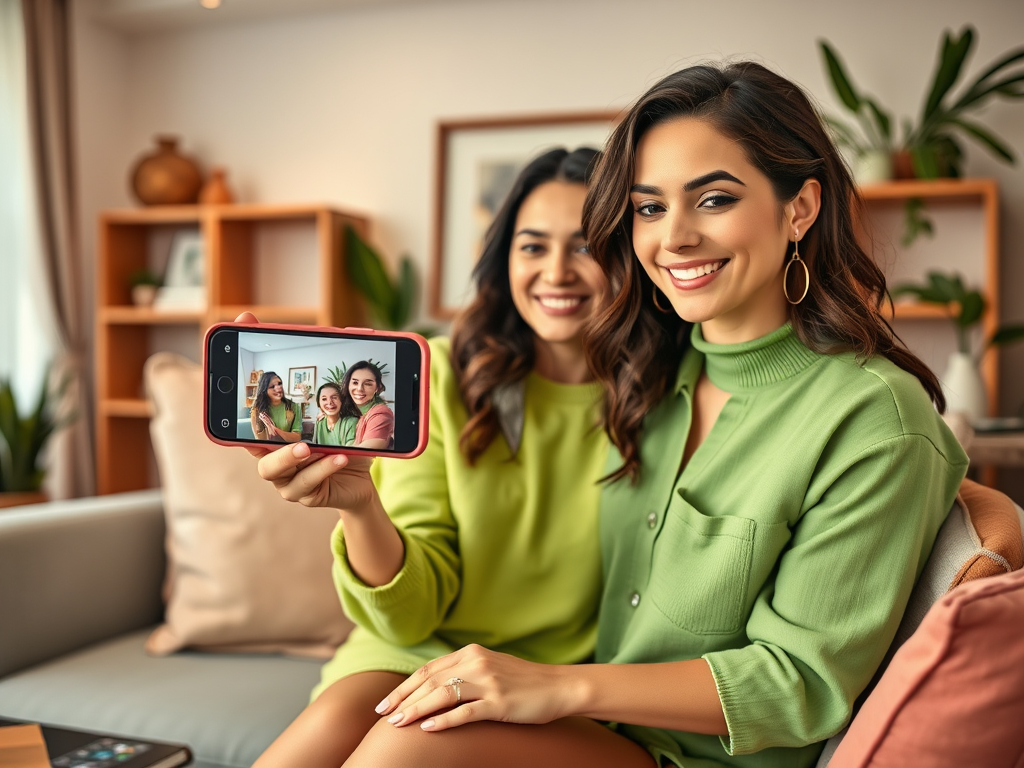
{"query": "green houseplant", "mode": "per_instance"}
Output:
(390, 300)
(23, 437)
(144, 283)
(931, 148)
(933, 142)
(962, 382)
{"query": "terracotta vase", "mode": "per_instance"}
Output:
(902, 165)
(216, 190)
(166, 177)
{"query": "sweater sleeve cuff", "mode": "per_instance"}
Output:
(738, 742)
(407, 584)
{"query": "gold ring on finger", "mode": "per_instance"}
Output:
(455, 682)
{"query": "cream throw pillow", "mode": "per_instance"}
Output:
(247, 570)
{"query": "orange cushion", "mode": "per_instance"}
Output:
(953, 695)
(997, 526)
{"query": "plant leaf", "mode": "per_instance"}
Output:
(366, 269)
(951, 60)
(950, 288)
(1006, 334)
(972, 307)
(925, 161)
(999, 64)
(994, 145)
(883, 120)
(1003, 87)
(840, 82)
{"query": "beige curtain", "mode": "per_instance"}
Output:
(48, 66)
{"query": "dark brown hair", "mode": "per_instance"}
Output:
(262, 402)
(635, 350)
(492, 346)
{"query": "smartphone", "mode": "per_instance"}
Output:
(342, 390)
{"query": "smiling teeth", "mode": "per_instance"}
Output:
(559, 303)
(695, 272)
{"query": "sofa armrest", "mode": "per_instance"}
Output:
(76, 572)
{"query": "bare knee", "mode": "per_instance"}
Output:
(385, 745)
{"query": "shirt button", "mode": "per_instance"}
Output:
(652, 519)
(634, 599)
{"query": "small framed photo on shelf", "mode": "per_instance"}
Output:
(184, 284)
(477, 162)
(301, 380)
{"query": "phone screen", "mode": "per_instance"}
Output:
(331, 389)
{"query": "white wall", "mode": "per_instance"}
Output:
(341, 106)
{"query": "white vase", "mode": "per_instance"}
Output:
(964, 388)
(872, 167)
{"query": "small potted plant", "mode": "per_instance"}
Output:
(23, 438)
(144, 284)
(962, 383)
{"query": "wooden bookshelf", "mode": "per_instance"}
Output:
(285, 263)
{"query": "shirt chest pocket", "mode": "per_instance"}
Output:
(701, 569)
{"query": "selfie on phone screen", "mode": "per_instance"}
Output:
(333, 390)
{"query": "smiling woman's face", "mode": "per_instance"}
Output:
(709, 230)
(362, 386)
(275, 390)
(330, 401)
(555, 282)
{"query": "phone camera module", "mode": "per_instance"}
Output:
(225, 384)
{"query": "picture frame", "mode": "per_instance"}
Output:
(477, 162)
(301, 375)
(184, 280)
(186, 262)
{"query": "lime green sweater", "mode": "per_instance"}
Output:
(505, 553)
(785, 551)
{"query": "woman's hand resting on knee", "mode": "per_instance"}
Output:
(475, 683)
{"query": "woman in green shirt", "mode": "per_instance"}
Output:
(490, 535)
(780, 475)
(332, 427)
(272, 416)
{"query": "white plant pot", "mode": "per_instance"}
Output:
(873, 167)
(964, 388)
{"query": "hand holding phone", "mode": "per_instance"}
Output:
(354, 391)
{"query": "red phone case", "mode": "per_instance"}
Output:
(424, 407)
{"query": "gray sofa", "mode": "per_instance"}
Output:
(80, 589)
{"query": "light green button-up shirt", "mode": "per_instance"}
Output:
(785, 551)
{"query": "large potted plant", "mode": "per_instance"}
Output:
(23, 438)
(962, 383)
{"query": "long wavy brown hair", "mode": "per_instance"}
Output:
(635, 350)
(492, 346)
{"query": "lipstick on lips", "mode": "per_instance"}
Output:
(560, 305)
(691, 275)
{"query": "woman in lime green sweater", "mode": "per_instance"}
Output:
(489, 536)
(780, 474)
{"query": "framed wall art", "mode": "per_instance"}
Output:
(477, 161)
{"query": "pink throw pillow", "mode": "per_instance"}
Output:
(953, 695)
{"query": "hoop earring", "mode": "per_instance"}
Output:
(654, 298)
(785, 276)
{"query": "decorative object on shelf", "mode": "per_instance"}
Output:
(390, 301)
(166, 177)
(931, 148)
(477, 161)
(144, 284)
(216, 190)
(962, 383)
(301, 380)
(23, 438)
(184, 284)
